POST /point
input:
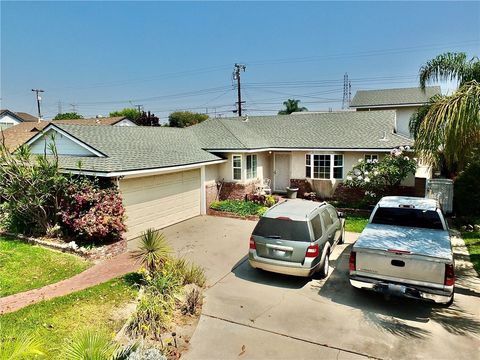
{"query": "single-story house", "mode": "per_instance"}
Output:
(16, 135)
(167, 175)
(9, 118)
(404, 100)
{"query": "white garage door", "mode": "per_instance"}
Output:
(160, 200)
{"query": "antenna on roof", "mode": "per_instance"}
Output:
(384, 138)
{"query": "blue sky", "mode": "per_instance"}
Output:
(168, 56)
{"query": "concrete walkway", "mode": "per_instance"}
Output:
(97, 274)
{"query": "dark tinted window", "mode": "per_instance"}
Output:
(327, 220)
(282, 229)
(408, 217)
(317, 227)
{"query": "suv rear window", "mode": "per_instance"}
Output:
(427, 219)
(282, 229)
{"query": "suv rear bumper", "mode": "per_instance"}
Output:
(404, 290)
(282, 267)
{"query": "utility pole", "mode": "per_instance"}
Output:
(74, 109)
(139, 108)
(236, 76)
(38, 97)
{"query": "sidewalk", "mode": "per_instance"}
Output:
(97, 274)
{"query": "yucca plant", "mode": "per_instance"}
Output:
(153, 251)
(96, 345)
(20, 346)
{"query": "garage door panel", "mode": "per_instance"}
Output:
(161, 200)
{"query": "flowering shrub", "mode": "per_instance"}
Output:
(92, 213)
(376, 176)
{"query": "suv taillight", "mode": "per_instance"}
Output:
(449, 275)
(352, 263)
(312, 251)
(252, 243)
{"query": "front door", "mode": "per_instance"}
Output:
(281, 172)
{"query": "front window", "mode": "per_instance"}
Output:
(237, 167)
(371, 157)
(251, 166)
(324, 167)
(418, 218)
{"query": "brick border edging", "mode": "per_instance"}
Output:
(231, 215)
(98, 253)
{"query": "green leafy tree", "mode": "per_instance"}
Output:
(443, 127)
(377, 177)
(291, 106)
(131, 113)
(185, 118)
(68, 116)
(31, 187)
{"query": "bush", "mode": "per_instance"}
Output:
(466, 198)
(377, 177)
(92, 213)
(242, 208)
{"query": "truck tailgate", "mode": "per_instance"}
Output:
(405, 268)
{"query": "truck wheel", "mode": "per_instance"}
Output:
(323, 272)
(450, 302)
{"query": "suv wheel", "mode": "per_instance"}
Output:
(323, 272)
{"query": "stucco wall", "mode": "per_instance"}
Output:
(403, 119)
(225, 170)
(7, 121)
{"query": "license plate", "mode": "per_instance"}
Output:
(279, 252)
(398, 289)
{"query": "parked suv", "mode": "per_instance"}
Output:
(296, 237)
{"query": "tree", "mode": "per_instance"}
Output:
(446, 130)
(131, 113)
(148, 119)
(185, 118)
(291, 106)
(68, 116)
(450, 130)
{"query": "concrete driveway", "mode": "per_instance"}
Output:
(251, 314)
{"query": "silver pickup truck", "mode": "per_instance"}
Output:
(405, 250)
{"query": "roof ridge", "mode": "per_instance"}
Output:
(230, 131)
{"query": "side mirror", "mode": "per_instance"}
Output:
(341, 215)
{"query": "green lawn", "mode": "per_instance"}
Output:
(355, 223)
(24, 266)
(472, 240)
(98, 307)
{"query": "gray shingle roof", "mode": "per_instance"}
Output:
(341, 130)
(385, 97)
(131, 148)
(139, 147)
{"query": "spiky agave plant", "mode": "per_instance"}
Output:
(20, 346)
(153, 251)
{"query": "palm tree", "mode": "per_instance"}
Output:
(451, 128)
(447, 129)
(291, 106)
(20, 346)
(153, 251)
(448, 66)
(96, 345)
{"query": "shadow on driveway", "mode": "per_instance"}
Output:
(244, 271)
(392, 314)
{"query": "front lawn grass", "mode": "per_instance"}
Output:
(472, 240)
(99, 307)
(355, 223)
(24, 266)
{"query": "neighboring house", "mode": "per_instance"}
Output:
(16, 135)
(405, 101)
(9, 118)
(167, 175)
